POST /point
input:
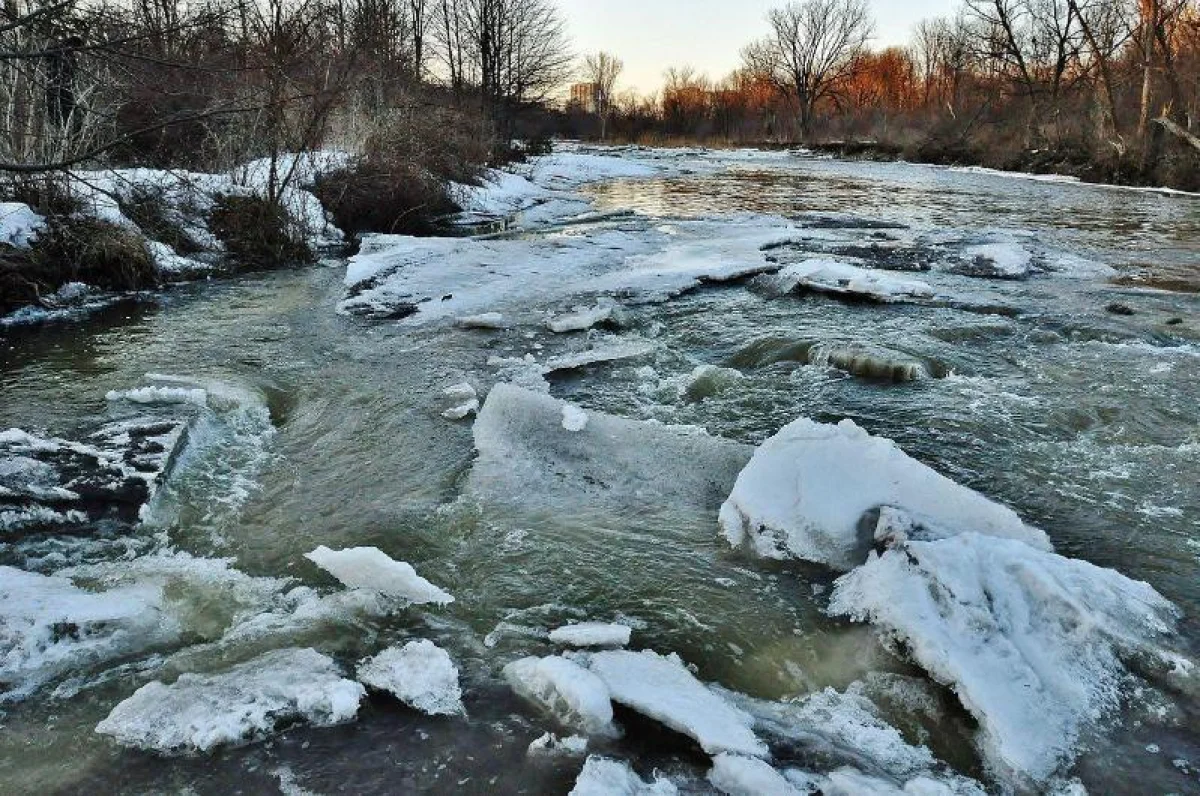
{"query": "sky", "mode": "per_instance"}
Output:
(652, 35)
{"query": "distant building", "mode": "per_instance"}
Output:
(586, 96)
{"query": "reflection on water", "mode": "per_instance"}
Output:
(1086, 423)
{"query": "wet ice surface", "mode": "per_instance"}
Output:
(594, 495)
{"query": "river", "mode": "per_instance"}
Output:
(1031, 391)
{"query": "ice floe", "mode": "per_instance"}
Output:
(574, 696)
(523, 449)
(661, 688)
(370, 568)
(997, 261)
(487, 321)
(1032, 643)
(843, 279)
(736, 775)
(602, 776)
(592, 634)
(550, 745)
(420, 674)
(582, 318)
(200, 712)
(822, 493)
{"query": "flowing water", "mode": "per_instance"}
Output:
(1084, 421)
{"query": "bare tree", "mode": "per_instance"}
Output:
(813, 46)
(603, 70)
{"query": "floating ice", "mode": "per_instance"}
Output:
(460, 392)
(462, 411)
(574, 696)
(662, 689)
(610, 350)
(748, 776)
(551, 745)
(160, 395)
(1031, 642)
(997, 261)
(419, 674)
(19, 225)
(50, 627)
(592, 634)
(487, 320)
(574, 419)
(582, 319)
(524, 449)
(810, 492)
(199, 712)
(604, 777)
(831, 276)
(371, 568)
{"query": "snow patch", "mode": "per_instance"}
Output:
(19, 225)
(831, 276)
(574, 419)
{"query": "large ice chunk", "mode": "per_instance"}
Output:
(419, 674)
(524, 449)
(198, 713)
(371, 568)
(50, 627)
(604, 777)
(843, 279)
(569, 692)
(812, 492)
(662, 689)
(1031, 642)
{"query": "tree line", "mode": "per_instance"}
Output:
(208, 83)
(1107, 88)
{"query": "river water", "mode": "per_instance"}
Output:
(1086, 422)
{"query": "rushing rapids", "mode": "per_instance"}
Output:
(732, 472)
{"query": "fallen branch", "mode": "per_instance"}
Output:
(1174, 129)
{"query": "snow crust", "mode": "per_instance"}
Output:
(604, 777)
(838, 278)
(19, 225)
(570, 693)
(1032, 643)
(661, 688)
(371, 568)
(419, 674)
(199, 712)
(806, 492)
(592, 634)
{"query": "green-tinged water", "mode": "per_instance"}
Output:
(1085, 422)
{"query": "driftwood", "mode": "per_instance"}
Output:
(1174, 129)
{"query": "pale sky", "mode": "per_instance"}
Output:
(651, 35)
